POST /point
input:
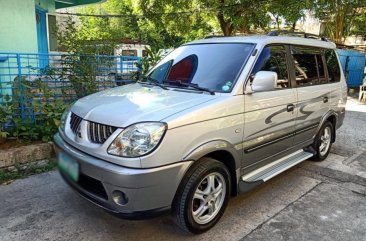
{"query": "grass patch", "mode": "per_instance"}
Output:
(7, 176)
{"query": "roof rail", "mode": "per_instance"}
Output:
(298, 34)
(214, 36)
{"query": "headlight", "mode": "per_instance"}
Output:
(138, 139)
(64, 118)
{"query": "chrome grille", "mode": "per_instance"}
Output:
(75, 122)
(99, 133)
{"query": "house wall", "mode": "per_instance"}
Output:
(18, 32)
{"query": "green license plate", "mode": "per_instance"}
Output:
(68, 166)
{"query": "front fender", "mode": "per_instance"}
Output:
(212, 146)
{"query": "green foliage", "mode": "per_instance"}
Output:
(158, 30)
(152, 58)
(359, 25)
(238, 16)
(81, 71)
(5, 114)
(50, 111)
(339, 16)
(32, 168)
(37, 96)
(290, 10)
(86, 38)
(171, 30)
(109, 28)
(85, 59)
(169, 23)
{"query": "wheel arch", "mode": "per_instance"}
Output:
(330, 116)
(221, 151)
(333, 119)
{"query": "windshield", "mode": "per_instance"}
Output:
(212, 66)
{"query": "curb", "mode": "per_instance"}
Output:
(26, 154)
(338, 167)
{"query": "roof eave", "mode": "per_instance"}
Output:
(73, 3)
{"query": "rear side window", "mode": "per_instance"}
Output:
(273, 58)
(308, 66)
(334, 71)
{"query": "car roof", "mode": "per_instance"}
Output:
(265, 40)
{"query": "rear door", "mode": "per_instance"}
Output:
(313, 91)
(269, 117)
(334, 76)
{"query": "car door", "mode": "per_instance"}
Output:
(269, 115)
(312, 89)
(337, 92)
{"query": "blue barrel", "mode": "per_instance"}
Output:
(353, 65)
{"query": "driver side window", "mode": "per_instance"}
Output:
(273, 58)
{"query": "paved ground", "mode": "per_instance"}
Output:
(312, 201)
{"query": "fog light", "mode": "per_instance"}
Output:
(119, 198)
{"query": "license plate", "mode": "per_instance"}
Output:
(68, 166)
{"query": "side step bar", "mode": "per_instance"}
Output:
(266, 172)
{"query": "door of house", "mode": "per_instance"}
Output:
(42, 37)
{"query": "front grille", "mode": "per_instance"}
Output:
(92, 185)
(99, 133)
(75, 122)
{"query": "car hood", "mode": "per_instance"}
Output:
(126, 105)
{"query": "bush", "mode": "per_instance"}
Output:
(43, 112)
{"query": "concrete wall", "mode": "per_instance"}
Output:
(355, 40)
(310, 24)
(18, 32)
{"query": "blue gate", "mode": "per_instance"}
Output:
(353, 65)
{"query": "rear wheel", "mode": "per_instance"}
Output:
(203, 196)
(323, 142)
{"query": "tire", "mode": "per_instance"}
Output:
(321, 151)
(198, 180)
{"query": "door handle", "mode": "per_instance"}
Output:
(325, 99)
(290, 107)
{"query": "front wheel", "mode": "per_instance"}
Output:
(323, 142)
(203, 196)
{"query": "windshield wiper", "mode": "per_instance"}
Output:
(194, 86)
(150, 80)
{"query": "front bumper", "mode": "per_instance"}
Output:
(149, 191)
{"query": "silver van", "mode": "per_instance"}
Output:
(214, 118)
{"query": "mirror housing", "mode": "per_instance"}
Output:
(264, 81)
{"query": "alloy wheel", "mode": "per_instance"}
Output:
(208, 198)
(325, 140)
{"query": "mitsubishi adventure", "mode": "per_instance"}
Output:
(214, 118)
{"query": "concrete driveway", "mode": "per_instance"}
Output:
(312, 201)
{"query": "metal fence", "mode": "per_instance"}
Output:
(27, 77)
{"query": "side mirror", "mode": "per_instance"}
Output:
(264, 81)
